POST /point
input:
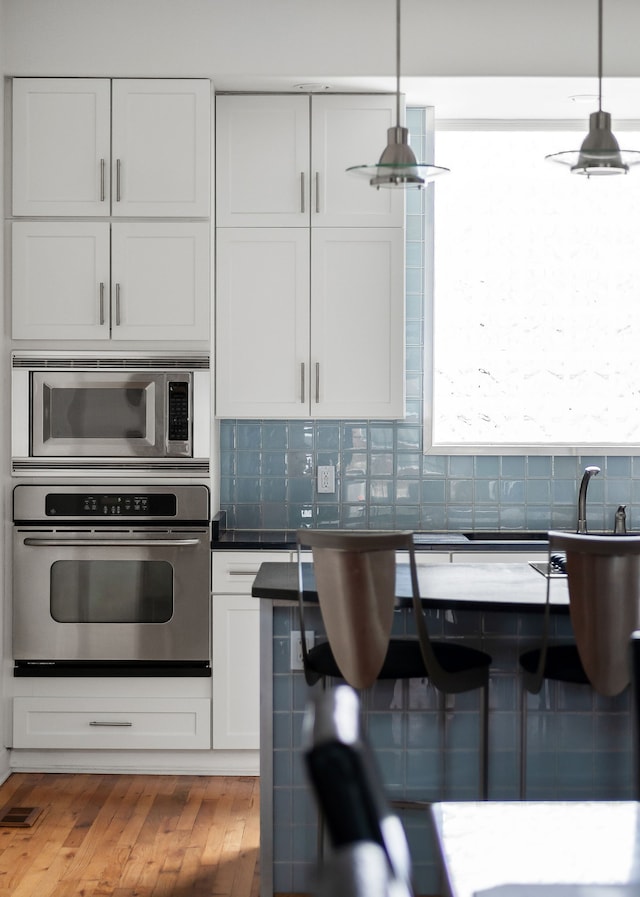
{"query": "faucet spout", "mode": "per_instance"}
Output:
(582, 497)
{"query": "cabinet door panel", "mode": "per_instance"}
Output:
(357, 322)
(161, 163)
(160, 281)
(262, 160)
(351, 130)
(58, 268)
(61, 155)
(262, 322)
(236, 672)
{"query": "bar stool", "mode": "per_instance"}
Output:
(603, 574)
(355, 577)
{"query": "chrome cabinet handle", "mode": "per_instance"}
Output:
(317, 381)
(97, 722)
(317, 192)
(302, 385)
(111, 543)
(101, 180)
(240, 572)
(102, 303)
(117, 305)
(118, 167)
(302, 202)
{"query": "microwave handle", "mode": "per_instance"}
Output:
(111, 543)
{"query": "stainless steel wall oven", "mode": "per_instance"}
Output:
(111, 580)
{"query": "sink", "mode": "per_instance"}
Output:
(506, 536)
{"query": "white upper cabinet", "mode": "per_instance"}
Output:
(357, 323)
(281, 161)
(262, 322)
(61, 146)
(160, 281)
(160, 148)
(262, 161)
(95, 147)
(61, 280)
(310, 331)
(351, 130)
(124, 281)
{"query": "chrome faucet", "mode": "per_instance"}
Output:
(582, 497)
(620, 520)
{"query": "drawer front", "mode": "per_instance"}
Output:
(112, 723)
(234, 571)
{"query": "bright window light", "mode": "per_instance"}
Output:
(535, 314)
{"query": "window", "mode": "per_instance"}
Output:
(533, 327)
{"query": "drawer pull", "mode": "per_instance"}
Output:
(115, 723)
(240, 572)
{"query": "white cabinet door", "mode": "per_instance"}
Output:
(160, 281)
(60, 280)
(262, 161)
(272, 173)
(61, 146)
(351, 130)
(357, 323)
(160, 147)
(262, 322)
(91, 146)
(236, 672)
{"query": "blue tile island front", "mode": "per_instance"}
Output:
(578, 743)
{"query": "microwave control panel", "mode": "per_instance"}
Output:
(178, 429)
(93, 504)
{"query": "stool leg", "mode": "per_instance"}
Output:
(523, 743)
(484, 744)
(443, 743)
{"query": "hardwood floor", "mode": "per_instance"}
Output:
(131, 836)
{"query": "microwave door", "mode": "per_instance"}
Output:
(97, 415)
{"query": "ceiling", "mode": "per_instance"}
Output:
(477, 97)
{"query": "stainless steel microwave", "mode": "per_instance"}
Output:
(110, 412)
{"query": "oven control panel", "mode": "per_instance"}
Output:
(112, 504)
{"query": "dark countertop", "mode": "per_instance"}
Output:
(285, 540)
(483, 587)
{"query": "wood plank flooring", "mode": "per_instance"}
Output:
(131, 836)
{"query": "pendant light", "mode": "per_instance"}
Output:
(600, 153)
(397, 166)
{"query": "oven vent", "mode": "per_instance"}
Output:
(185, 466)
(119, 362)
(19, 817)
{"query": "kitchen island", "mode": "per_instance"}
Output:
(579, 745)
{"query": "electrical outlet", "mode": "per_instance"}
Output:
(326, 478)
(296, 647)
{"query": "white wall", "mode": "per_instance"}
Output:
(228, 38)
(5, 492)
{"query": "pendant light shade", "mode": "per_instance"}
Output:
(600, 153)
(397, 166)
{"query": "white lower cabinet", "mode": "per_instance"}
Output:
(111, 723)
(236, 648)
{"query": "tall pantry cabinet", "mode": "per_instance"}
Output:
(309, 260)
(111, 186)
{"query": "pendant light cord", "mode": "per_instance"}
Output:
(599, 55)
(398, 62)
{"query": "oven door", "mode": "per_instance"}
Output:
(109, 414)
(111, 595)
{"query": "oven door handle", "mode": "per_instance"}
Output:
(112, 543)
